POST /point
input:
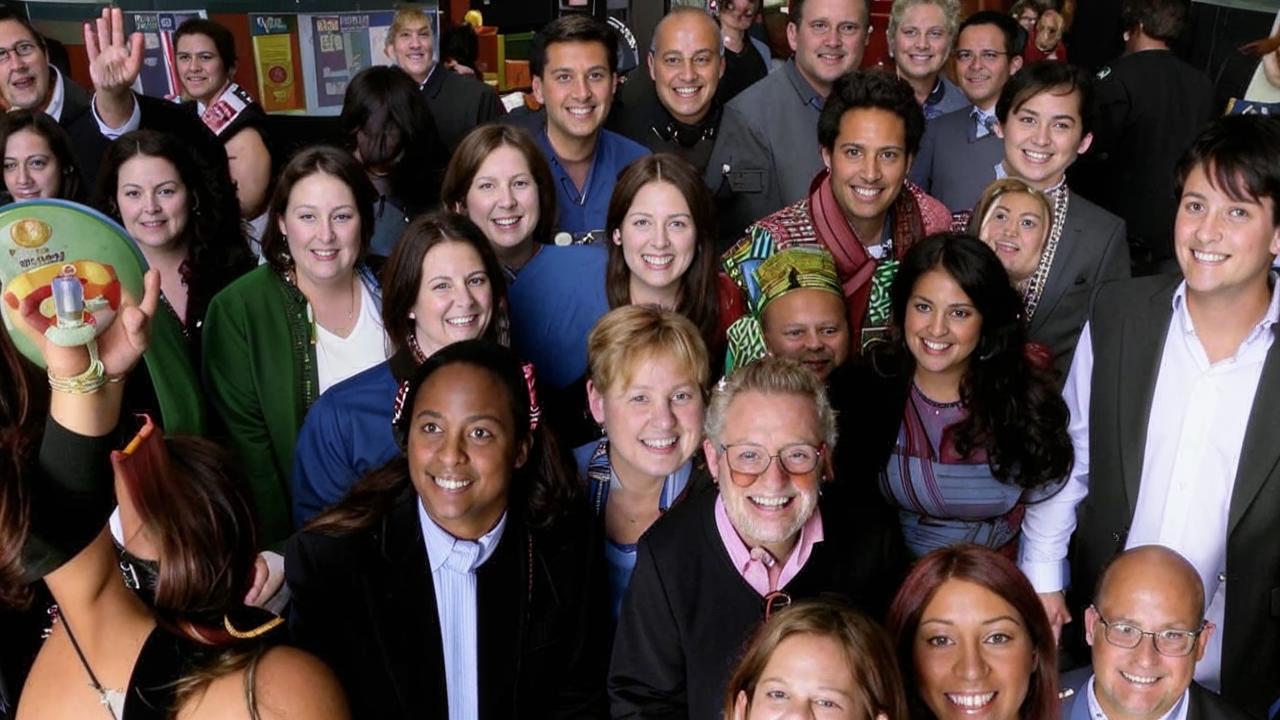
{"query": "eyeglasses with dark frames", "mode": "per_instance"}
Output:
(1170, 643)
(22, 48)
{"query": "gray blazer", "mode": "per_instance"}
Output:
(953, 164)
(766, 153)
(1093, 249)
(1128, 325)
(1202, 704)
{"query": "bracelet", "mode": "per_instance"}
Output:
(89, 381)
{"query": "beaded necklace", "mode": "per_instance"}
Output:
(1034, 289)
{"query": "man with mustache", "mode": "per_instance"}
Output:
(960, 149)
(764, 155)
(721, 561)
(675, 109)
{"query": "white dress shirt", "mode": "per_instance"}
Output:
(57, 97)
(453, 573)
(1195, 430)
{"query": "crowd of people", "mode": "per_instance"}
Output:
(742, 386)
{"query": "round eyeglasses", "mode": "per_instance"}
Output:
(748, 461)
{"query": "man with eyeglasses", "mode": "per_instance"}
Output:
(720, 562)
(960, 149)
(1147, 631)
(765, 157)
(28, 81)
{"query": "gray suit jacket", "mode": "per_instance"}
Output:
(1128, 325)
(766, 152)
(1093, 249)
(953, 164)
(1202, 704)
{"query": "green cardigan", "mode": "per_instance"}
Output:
(260, 373)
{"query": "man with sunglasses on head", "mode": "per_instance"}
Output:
(718, 564)
(1147, 631)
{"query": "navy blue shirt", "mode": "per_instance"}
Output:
(584, 212)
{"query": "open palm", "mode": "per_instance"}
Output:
(114, 63)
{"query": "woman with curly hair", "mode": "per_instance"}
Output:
(182, 215)
(982, 428)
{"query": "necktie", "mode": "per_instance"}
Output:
(985, 123)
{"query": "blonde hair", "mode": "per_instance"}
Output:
(633, 334)
(950, 13)
(771, 376)
(404, 15)
(1008, 186)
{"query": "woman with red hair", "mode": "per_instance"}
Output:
(972, 637)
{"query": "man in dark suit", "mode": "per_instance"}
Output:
(1045, 124)
(1146, 592)
(30, 82)
(458, 103)
(960, 150)
(717, 564)
(1174, 396)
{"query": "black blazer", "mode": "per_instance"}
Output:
(1128, 327)
(365, 604)
(1202, 704)
(459, 104)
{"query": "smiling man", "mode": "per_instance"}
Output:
(575, 73)
(458, 103)
(861, 208)
(675, 110)
(1147, 631)
(718, 563)
(1045, 122)
(920, 34)
(960, 150)
(1174, 395)
(764, 155)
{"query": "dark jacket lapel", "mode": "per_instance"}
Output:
(1260, 452)
(1062, 273)
(409, 621)
(1141, 348)
(502, 590)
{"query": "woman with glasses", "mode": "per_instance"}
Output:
(647, 389)
(973, 640)
(982, 429)
(817, 658)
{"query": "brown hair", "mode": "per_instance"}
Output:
(21, 412)
(319, 159)
(471, 154)
(868, 654)
(698, 298)
(59, 143)
(632, 335)
(997, 573)
(1008, 186)
(402, 275)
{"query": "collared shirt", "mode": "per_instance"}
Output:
(1195, 431)
(133, 123)
(57, 97)
(583, 211)
(453, 573)
(754, 570)
(944, 98)
(810, 97)
(985, 121)
(1177, 712)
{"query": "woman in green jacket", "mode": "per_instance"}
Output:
(307, 319)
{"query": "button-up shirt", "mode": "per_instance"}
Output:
(1195, 432)
(453, 573)
(1177, 712)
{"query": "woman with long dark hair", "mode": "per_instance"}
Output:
(388, 127)
(195, 651)
(661, 228)
(441, 284)
(972, 637)
(982, 430)
(183, 218)
(38, 161)
(462, 578)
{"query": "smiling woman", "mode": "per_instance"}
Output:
(307, 319)
(38, 161)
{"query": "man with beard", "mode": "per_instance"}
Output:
(960, 150)
(720, 562)
(861, 208)
(674, 110)
(764, 157)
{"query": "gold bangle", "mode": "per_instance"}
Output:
(89, 381)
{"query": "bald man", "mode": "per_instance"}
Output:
(1147, 630)
(674, 110)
